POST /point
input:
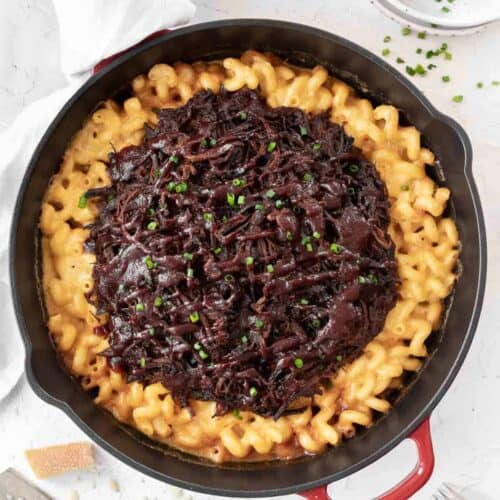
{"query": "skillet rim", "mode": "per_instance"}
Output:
(455, 365)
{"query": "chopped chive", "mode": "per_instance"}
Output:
(419, 51)
(271, 146)
(204, 143)
(139, 307)
(457, 98)
(316, 146)
(448, 56)
(410, 70)
(431, 66)
(152, 225)
(279, 203)
(151, 331)
(305, 240)
(298, 363)
(217, 250)
(259, 206)
(236, 413)
(405, 187)
(194, 317)
(244, 339)
(243, 115)
(429, 54)
(253, 392)
(406, 31)
(422, 35)
(372, 279)
(208, 216)
(174, 159)
(197, 346)
(212, 142)
(307, 177)
(351, 191)
(181, 187)
(157, 173)
(158, 301)
(387, 39)
(354, 169)
(271, 193)
(361, 279)
(315, 322)
(259, 323)
(335, 248)
(445, 78)
(445, 9)
(420, 70)
(304, 302)
(289, 235)
(249, 260)
(495, 83)
(479, 85)
(238, 182)
(143, 363)
(241, 199)
(228, 277)
(151, 212)
(329, 384)
(340, 357)
(309, 247)
(270, 268)
(303, 130)
(444, 46)
(203, 354)
(150, 264)
(231, 199)
(82, 201)
(399, 60)
(121, 287)
(386, 52)
(190, 272)
(188, 256)
(170, 186)
(316, 235)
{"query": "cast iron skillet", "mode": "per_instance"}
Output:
(304, 46)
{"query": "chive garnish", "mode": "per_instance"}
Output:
(422, 35)
(445, 9)
(236, 413)
(308, 177)
(150, 264)
(304, 302)
(188, 256)
(445, 78)
(204, 143)
(228, 277)
(203, 354)
(158, 301)
(208, 216)
(271, 146)
(174, 159)
(354, 169)
(231, 199)
(335, 248)
(152, 225)
(170, 186)
(238, 182)
(279, 203)
(457, 98)
(194, 317)
(387, 39)
(212, 142)
(241, 199)
(298, 363)
(316, 235)
(217, 250)
(309, 247)
(479, 85)
(249, 260)
(340, 357)
(271, 193)
(386, 52)
(197, 346)
(244, 339)
(399, 60)
(406, 31)
(259, 206)
(303, 130)
(259, 323)
(190, 272)
(289, 235)
(253, 392)
(316, 323)
(243, 115)
(143, 363)
(139, 307)
(316, 146)
(82, 201)
(181, 187)
(270, 268)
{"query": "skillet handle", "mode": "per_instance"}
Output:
(102, 64)
(412, 483)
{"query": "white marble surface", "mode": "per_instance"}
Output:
(465, 425)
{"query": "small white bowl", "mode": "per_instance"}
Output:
(463, 17)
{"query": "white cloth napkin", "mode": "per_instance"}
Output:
(90, 30)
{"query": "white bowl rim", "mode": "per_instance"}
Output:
(439, 20)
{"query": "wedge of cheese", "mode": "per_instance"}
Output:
(57, 460)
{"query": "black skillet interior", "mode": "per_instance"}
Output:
(304, 46)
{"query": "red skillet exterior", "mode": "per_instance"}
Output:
(305, 46)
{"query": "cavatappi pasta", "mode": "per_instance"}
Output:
(427, 248)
